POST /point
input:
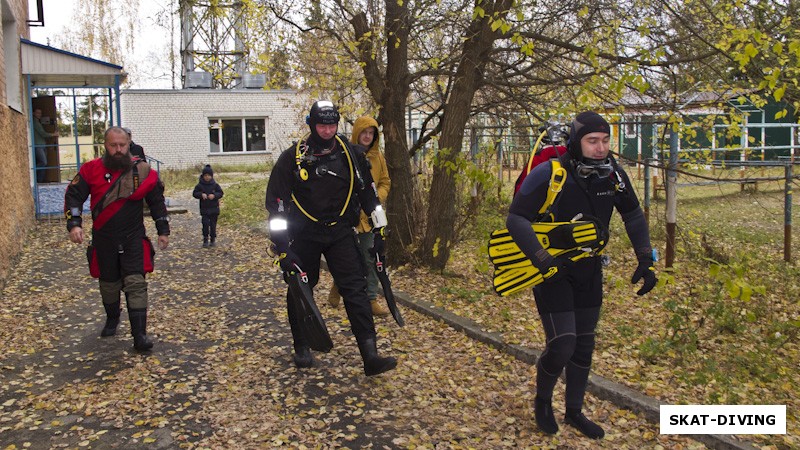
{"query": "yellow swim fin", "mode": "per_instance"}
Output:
(513, 271)
(555, 237)
(509, 280)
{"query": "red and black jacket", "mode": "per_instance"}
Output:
(117, 204)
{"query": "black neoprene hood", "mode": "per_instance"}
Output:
(585, 123)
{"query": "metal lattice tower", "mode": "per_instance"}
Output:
(212, 40)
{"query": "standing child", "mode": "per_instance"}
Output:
(209, 193)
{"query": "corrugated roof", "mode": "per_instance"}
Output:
(690, 101)
(52, 67)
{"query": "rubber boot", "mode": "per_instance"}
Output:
(379, 308)
(302, 357)
(109, 292)
(112, 319)
(374, 364)
(213, 242)
(138, 319)
(205, 242)
(333, 297)
(545, 419)
(575, 418)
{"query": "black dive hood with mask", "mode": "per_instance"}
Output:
(322, 112)
(585, 123)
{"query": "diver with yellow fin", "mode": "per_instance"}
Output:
(576, 239)
(569, 287)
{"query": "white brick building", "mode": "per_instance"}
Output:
(190, 127)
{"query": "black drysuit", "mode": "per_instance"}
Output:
(570, 306)
(321, 211)
(118, 230)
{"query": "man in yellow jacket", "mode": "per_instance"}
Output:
(365, 133)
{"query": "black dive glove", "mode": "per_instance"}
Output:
(378, 242)
(557, 269)
(289, 261)
(378, 245)
(645, 270)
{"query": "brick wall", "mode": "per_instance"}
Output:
(15, 181)
(172, 125)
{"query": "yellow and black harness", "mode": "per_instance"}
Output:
(558, 177)
(575, 240)
(301, 154)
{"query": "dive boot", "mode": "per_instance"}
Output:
(374, 364)
(303, 358)
(576, 418)
(138, 318)
(112, 319)
(545, 419)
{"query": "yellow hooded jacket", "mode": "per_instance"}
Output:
(379, 171)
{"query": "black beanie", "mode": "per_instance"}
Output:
(585, 123)
(208, 170)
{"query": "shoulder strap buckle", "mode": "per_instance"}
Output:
(558, 177)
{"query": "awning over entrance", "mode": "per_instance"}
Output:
(52, 67)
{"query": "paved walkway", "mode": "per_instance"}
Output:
(221, 376)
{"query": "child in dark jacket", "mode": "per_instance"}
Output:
(209, 193)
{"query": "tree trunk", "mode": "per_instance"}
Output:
(400, 205)
(479, 39)
(390, 91)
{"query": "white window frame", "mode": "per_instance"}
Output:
(631, 128)
(215, 123)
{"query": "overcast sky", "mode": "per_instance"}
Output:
(145, 73)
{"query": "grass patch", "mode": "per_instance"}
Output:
(243, 203)
(179, 180)
(183, 179)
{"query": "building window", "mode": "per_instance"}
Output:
(231, 135)
(630, 129)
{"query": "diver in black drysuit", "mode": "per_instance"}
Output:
(314, 196)
(569, 299)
